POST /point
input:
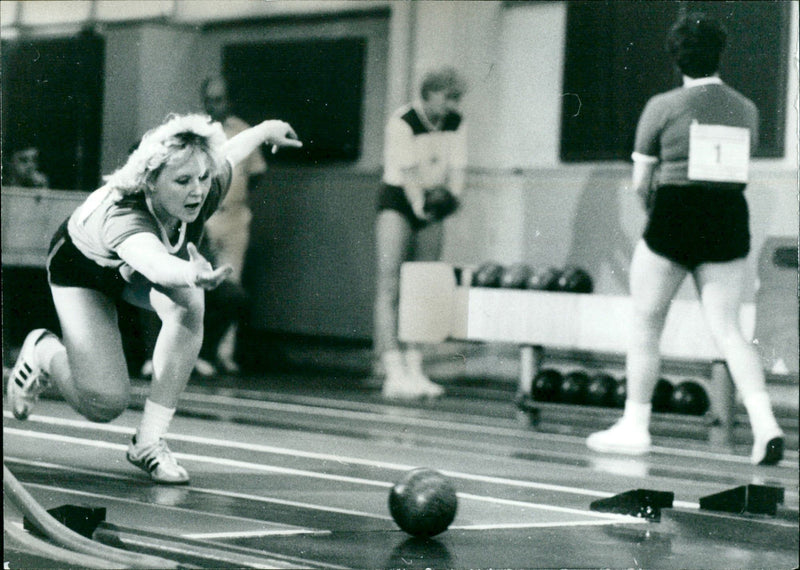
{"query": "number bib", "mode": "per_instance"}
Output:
(718, 153)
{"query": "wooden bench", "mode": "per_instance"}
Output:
(435, 308)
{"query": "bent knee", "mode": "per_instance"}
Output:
(103, 408)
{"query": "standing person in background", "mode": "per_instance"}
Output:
(698, 225)
(23, 169)
(133, 240)
(227, 239)
(425, 157)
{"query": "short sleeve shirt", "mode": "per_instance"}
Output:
(106, 219)
(663, 129)
(411, 141)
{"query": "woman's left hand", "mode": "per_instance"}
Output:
(280, 134)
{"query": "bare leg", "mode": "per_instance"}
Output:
(92, 375)
(393, 238)
(654, 280)
(720, 289)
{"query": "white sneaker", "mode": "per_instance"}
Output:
(27, 380)
(157, 460)
(424, 385)
(620, 438)
(205, 368)
(397, 383)
(147, 369)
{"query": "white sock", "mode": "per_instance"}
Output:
(414, 361)
(155, 423)
(637, 415)
(759, 410)
(46, 350)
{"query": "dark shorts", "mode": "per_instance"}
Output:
(68, 267)
(691, 225)
(394, 198)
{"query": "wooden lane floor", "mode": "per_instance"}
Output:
(303, 479)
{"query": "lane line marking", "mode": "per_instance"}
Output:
(281, 470)
(338, 458)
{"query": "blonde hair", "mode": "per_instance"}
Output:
(165, 144)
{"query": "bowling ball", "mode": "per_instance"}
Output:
(575, 280)
(488, 275)
(544, 280)
(423, 502)
(546, 385)
(600, 391)
(620, 393)
(439, 202)
(690, 397)
(516, 276)
(662, 395)
(573, 387)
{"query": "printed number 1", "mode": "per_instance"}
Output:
(719, 152)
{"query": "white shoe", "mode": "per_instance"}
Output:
(397, 383)
(228, 365)
(157, 460)
(27, 380)
(205, 368)
(620, 438)
(424, 385)
(147, 369)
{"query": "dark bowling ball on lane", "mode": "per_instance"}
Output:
(488, 275)
(573, 387)
(620, 393)
(600, 391)
(662, 395)
(546, 385)
(515, 276)
(423, 502)
(575, 280)
(544, 280)
(690, 397)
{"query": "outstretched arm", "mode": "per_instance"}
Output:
(147, 255)
(274, 133)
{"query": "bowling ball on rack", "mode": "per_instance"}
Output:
(515, 276)
(546, 385)
(620, 393)
(662, 396)
(544, 280)
(487, 275)
(573, 387)
(600, 391)
(690, 397)
(423, 502)
(575, 280)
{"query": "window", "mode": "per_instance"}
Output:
(616, 60)
(315, 85)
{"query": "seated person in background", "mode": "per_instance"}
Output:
(23, 169)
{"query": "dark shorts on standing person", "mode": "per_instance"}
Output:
(394, 198)
(68, 267)
(692, 225)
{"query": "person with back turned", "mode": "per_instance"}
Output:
(697, 224)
